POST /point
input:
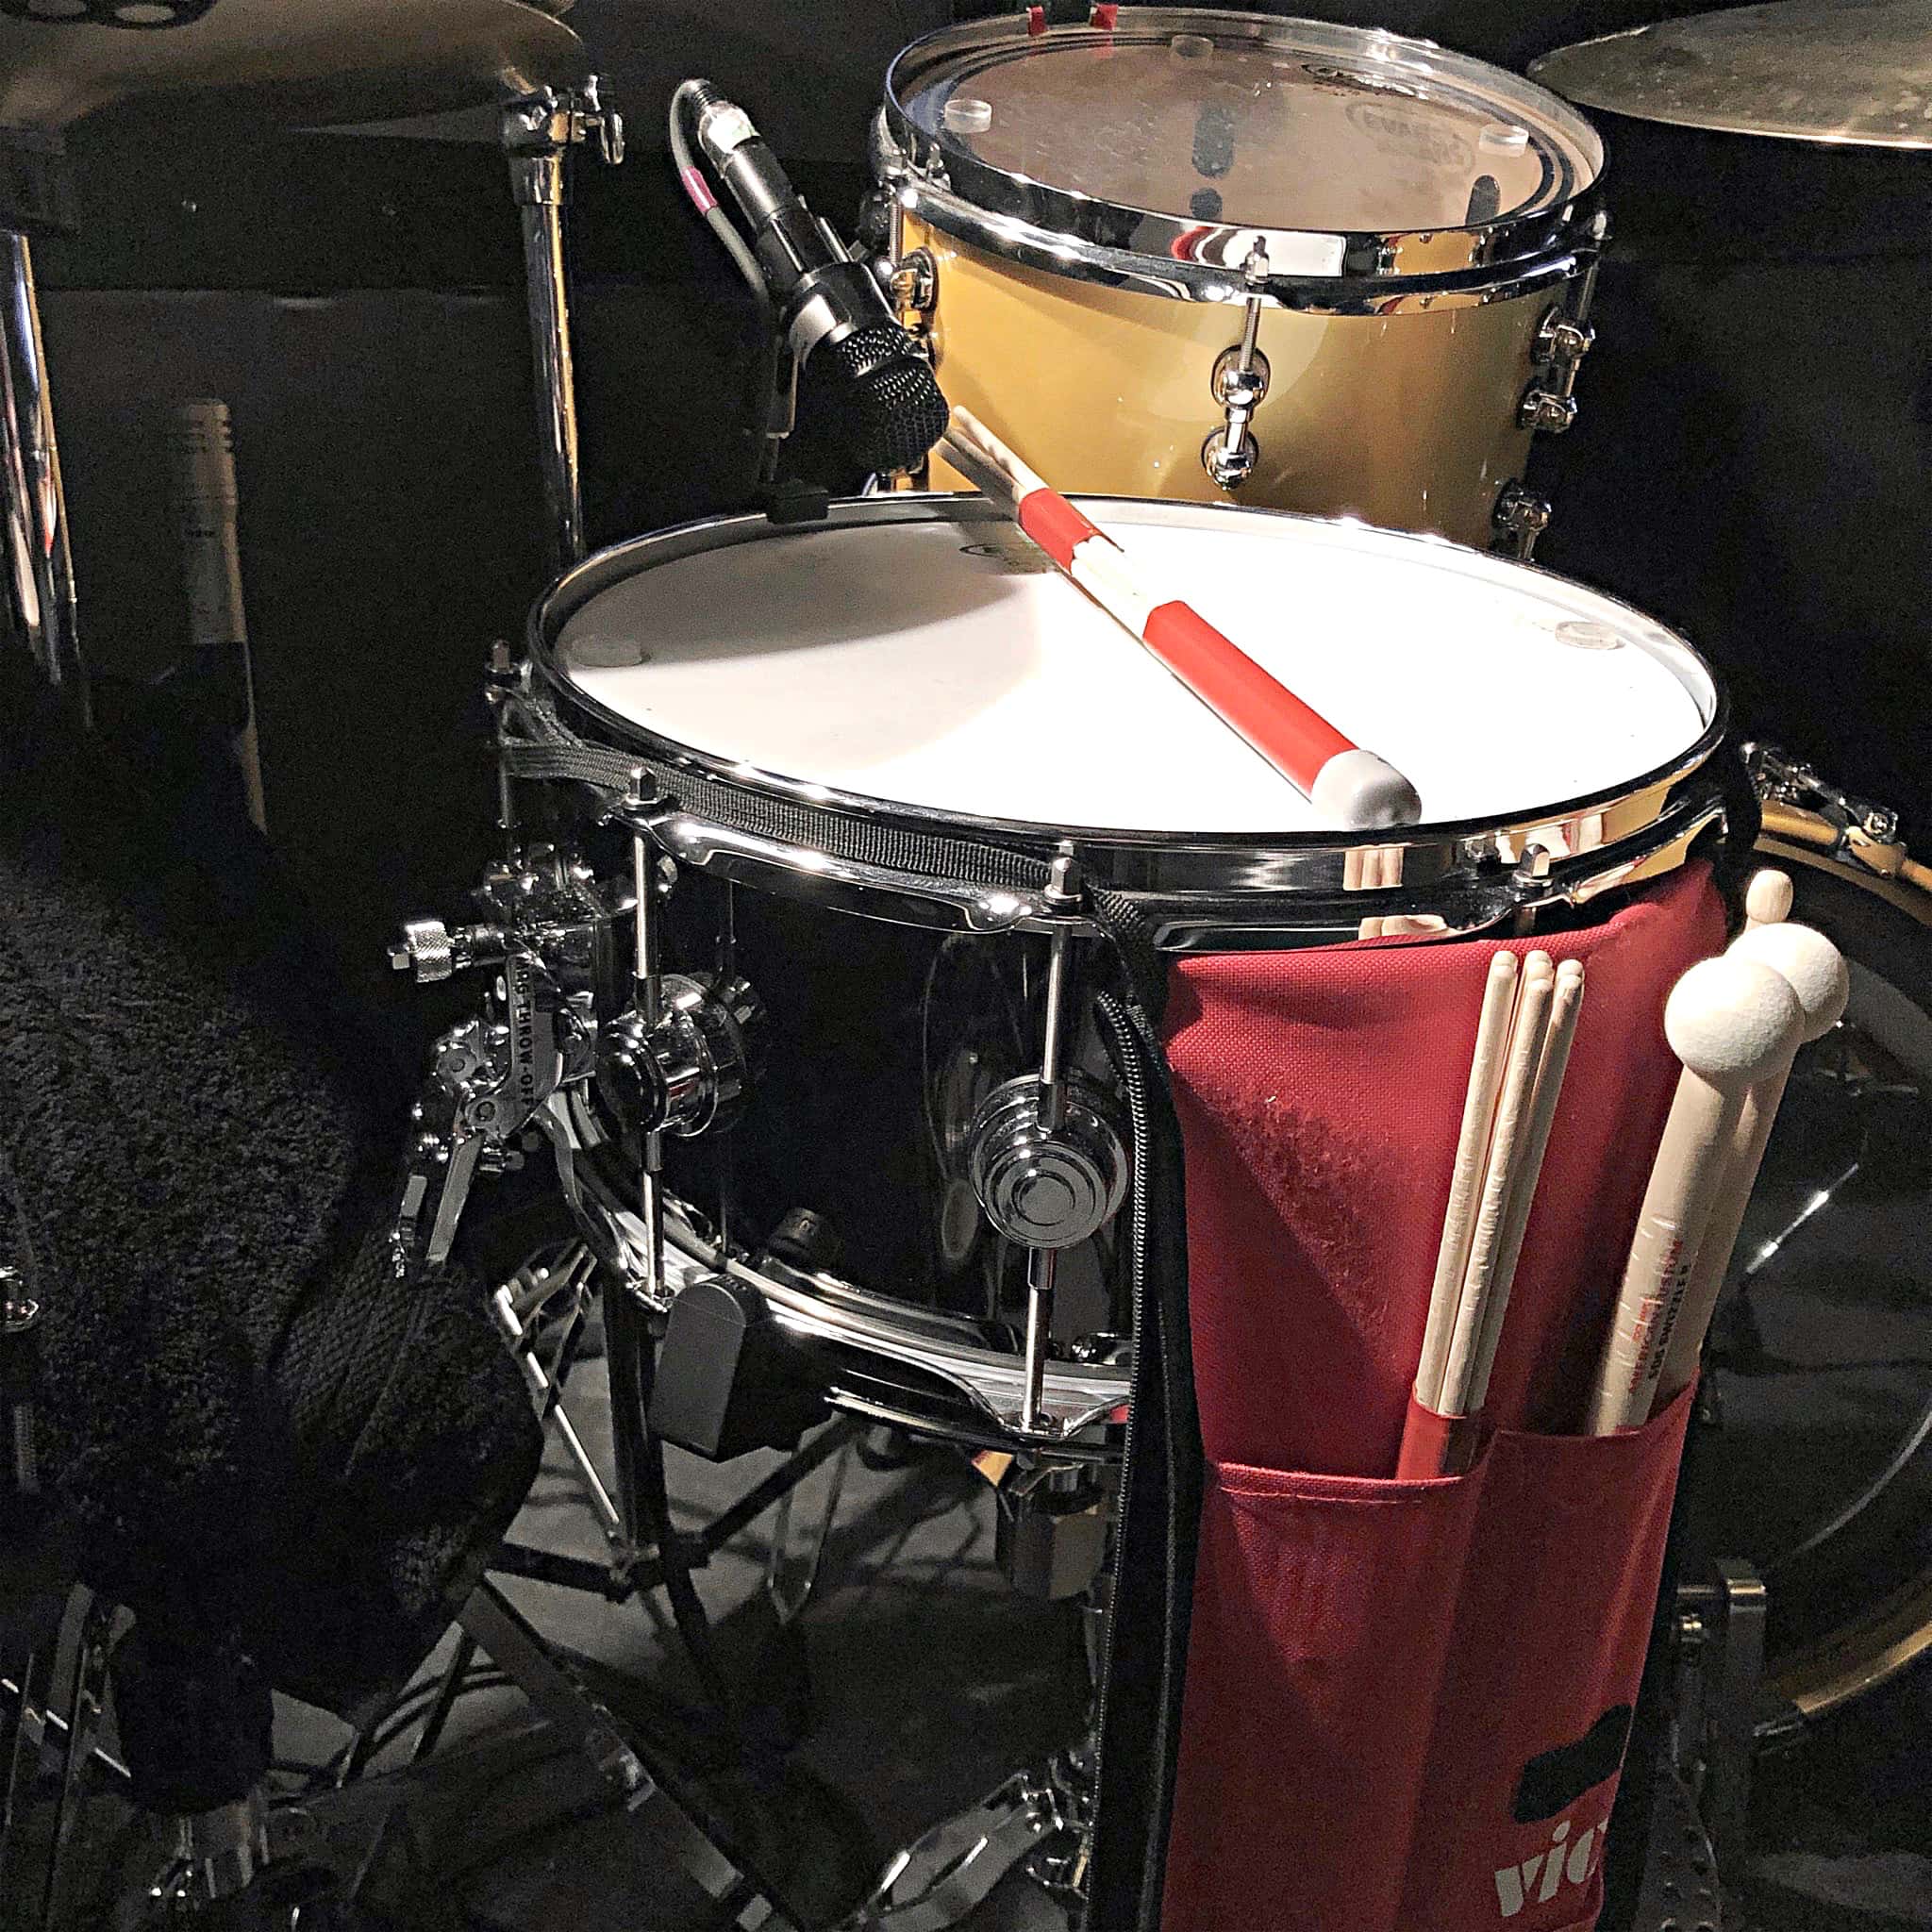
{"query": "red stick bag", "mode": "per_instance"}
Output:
(1323, 1612)
(1542, 1669)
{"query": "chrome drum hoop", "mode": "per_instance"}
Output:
(1232, 891)
(1340, 273)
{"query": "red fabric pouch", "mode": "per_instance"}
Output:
(1390, 1684)
(1316, 1653)
(1534, 1703)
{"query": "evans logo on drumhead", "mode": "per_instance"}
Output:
(1395, 132)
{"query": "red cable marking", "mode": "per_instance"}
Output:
(1055, 524)
(698, 188)
(1292, 734)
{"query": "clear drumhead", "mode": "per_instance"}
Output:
(943, 668)
(1274, 124)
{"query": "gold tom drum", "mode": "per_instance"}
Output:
(1222, 257)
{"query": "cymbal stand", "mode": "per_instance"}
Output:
(538, 132)
(40, 562)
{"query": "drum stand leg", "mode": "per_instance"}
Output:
(538, 132)
(35, 1730)
(493, 1626)
(40, 562)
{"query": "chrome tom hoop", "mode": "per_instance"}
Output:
(898, 714)
(1201, 254)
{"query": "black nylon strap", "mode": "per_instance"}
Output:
(558, 754)
(1161, 1482)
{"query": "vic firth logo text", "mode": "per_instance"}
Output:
(1565, 1861)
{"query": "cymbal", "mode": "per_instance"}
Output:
(290, 62)
(1856, 72)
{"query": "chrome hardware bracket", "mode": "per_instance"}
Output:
(939, 1879)
(1561, 343)
(1861, 823)
(1521, 517)
(1719, 1636)
(851, 885)
(548, 935)
(1239, 382)
(913, 284)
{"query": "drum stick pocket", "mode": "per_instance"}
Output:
(1353, 788)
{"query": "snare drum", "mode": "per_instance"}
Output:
(899, 713)
(1220, 256)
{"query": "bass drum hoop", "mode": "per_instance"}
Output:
(1830, 1672)
(1201, 892)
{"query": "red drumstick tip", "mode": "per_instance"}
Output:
(1362, 792)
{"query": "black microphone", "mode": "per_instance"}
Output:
(828, 304)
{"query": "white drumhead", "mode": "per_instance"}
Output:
(947, 667)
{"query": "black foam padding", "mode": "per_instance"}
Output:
(879, 397)
(195, 1719)
(259, 1434)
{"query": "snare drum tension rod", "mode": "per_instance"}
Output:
(1046, 1158)
(1239, 381)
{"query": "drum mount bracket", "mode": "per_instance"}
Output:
(547, 932)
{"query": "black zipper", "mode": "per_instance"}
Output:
(1125, 1048)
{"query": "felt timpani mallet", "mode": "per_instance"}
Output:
(1815, 971)
(1352, 787)
(1731, 1022)
(1767, 898)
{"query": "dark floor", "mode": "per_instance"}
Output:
(920, 1681)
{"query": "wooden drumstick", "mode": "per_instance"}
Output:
(1466, 1178)
(1767, 898)
(1729, 1020)
(1566, 1007)
(1502, 1174)
(1816, 972)
(1375, 875)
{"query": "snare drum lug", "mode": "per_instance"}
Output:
(1521, 517)
(1042, 1187)
(689, 1069)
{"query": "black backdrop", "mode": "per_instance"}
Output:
(1750, 462)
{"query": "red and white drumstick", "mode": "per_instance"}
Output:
(1731, 1022)
(1352, 787)
(1816, 972)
